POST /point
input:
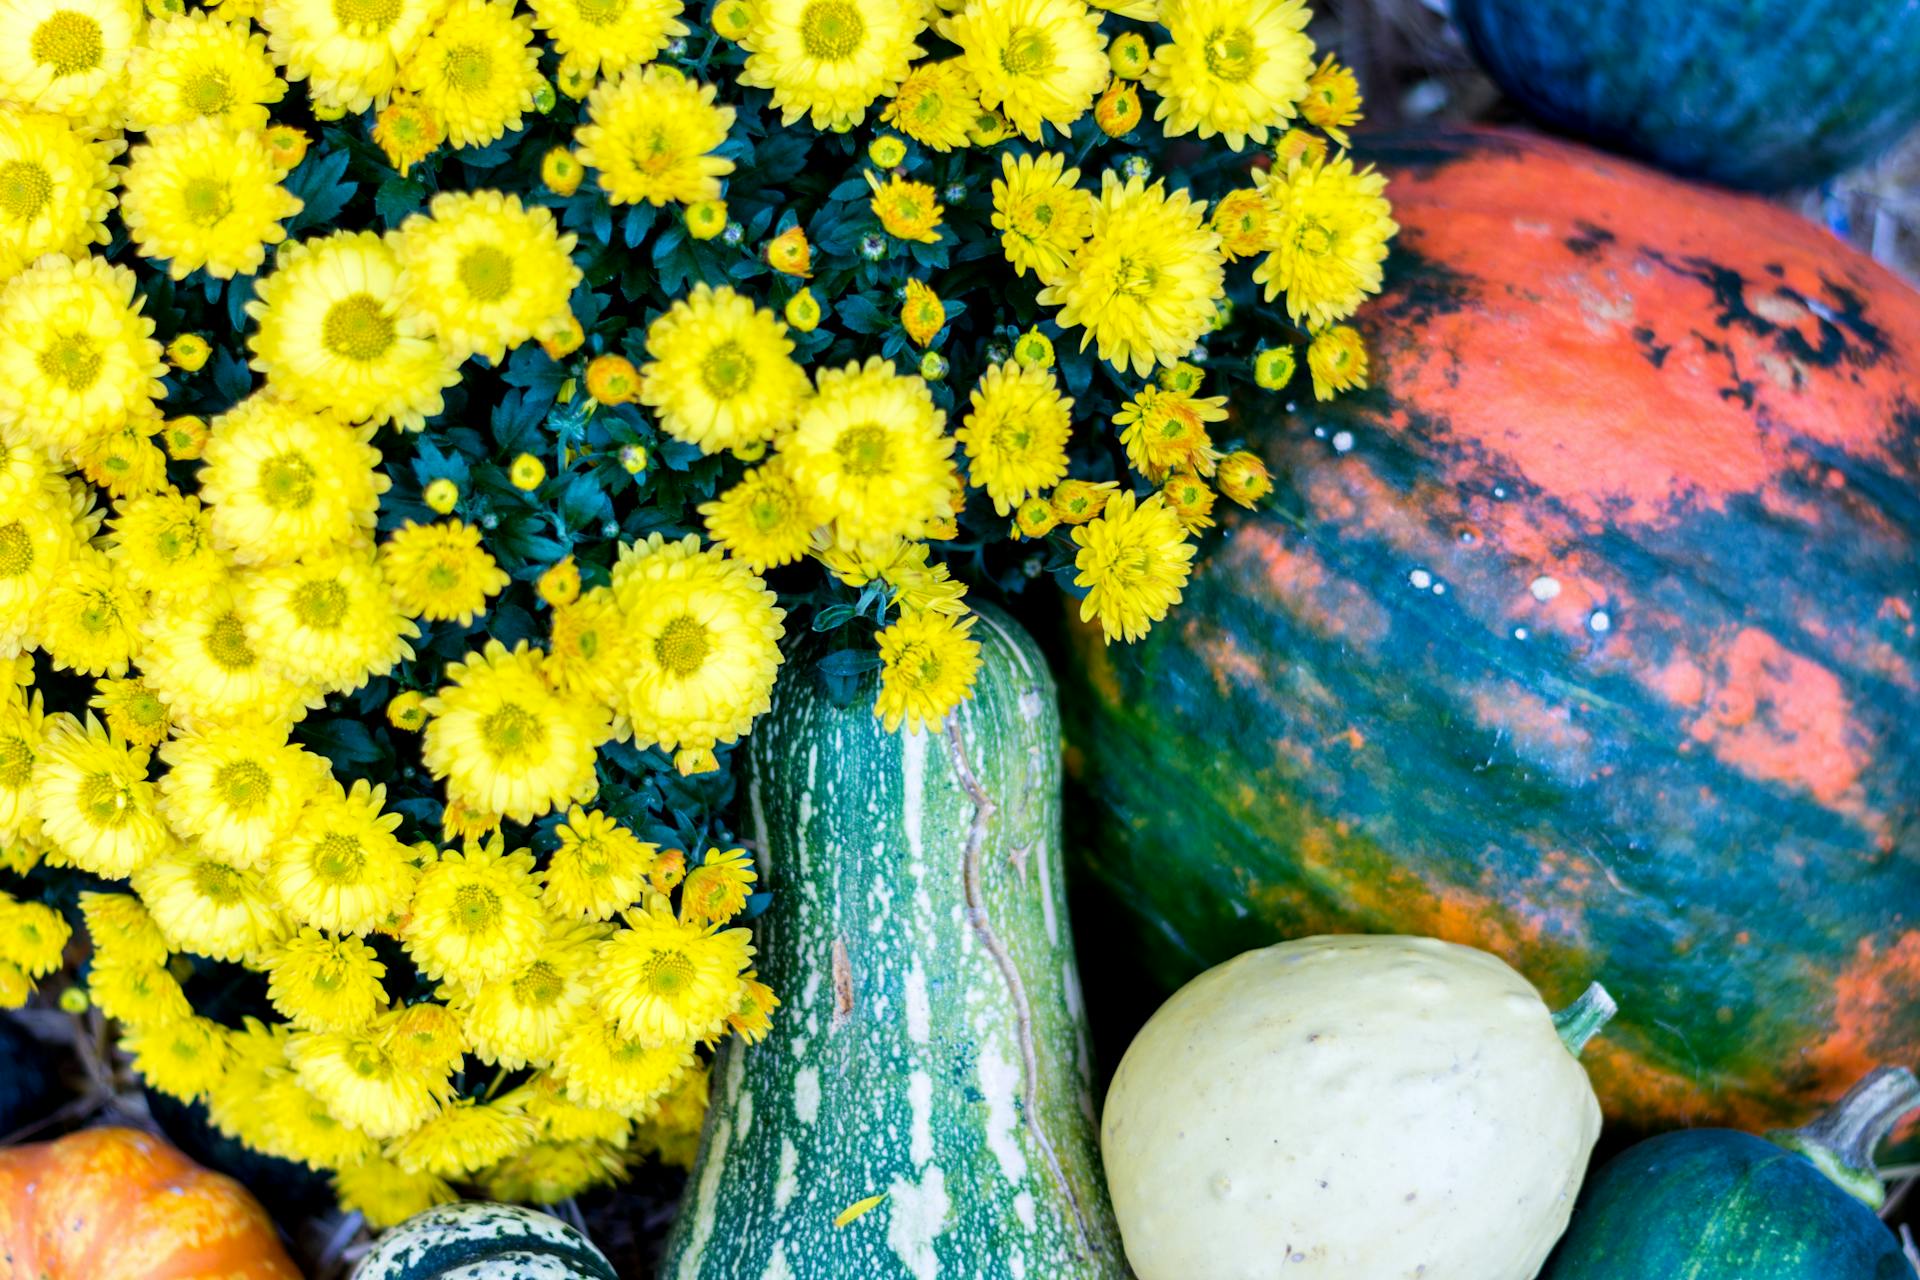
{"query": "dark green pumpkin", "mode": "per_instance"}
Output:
(1717, 1204)
(1587, 636)
(1763, 94)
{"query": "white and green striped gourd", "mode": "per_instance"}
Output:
(478, 1241)
(923, 1107)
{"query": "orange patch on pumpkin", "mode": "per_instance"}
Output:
(1542, 732)
(1871, 1000)
(1780, 717)
(1323, 602)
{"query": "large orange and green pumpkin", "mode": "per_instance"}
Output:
(1764, 94)
(119, 1204)
(1587, 636)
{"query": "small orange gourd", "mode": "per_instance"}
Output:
(118, 1204)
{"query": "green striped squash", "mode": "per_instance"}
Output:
(923, 1107)
(478, 1241)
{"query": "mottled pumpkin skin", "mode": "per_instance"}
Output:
(1716, 1204)
(118, 1204)
(1587, 637)
(1762, 94)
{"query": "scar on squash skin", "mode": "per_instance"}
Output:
(984, 810)
(842, 986)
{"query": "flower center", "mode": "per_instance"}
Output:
(320, 605)
(862, 449)
(669, 973)
(358, 328)
(831, 30)
(539, 986)
(105, 800)
(445, 573)
(245, 783)
(1134, 278)
(328, 978)
(768, 512)
(654, 152)
(144, 708)
(69, 42)
(286, 482)
(682, 645)
(1232, 54)
(371, 16)
(217, 882)
(600, 13)
(16, 762)
(512, 730)
(476, 908)
(1314, 239)
(227, 643)
(469, 67)
(486, 273)
(16, 550)
(1028, 52)
(208, 93)
(206, 200)
(727, 371)
(338, 858)
(25, 189)
(99, 613)
(72, 361)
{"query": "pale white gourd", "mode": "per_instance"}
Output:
(1351, 1108)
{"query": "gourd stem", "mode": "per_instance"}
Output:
(1841, 1142)
(1580, 1021)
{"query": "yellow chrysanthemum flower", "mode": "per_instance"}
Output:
(907, 210)
(440, 571)
(164, 541)
(210, 907)
(1333, 99)
(22, 728)
(936, 104)
(1134, 559)
(121, 930)
(652, 134)
(664, 982)
(132, 710)
(463, 1137)
(358, 1080)
(76, 356)
(1331, 227)
(754, 1018)
(870, 455)
(917, 586)
(329, 620)
(562, 1120)
(1234, 67)
(196, 65)
(333, 334)
(1337, 358)
(1038, 62)
(505, 742)
(67, 56)
(291, 1123)
(476, 916)
(587, 647)
(285, 482)
(1042, 217)
(722, 373)
(32, 936)
(476, 70)
(124, 461)
(427, 1037)
(521, 1017)
(201, 196)
(552, 1172)
(1189, 498)
(385, 1194)
(320, 983)
(830, 59)
(37, 542)
(717, 889)
(703, 641)
(200, 661)
(182, 1058)
(407, 130)
(237, 791)
(603, 1069)
(97, 810)
(599, 869)
(1015, 436)
(485, 272)
(134, 992)
(605, 37)
(1147, 282)
(928, 661)
(89, 621)
(55, 187)
(762, 521)
(922, 314)
(1244, 222)
(341, 869)
(349, 51)
(1166, 431)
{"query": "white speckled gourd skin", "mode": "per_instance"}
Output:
(1348, 1108)
(897, 1066)
(475, 1240)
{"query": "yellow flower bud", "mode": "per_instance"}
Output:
(286, 146)
(732, 19)
(790, 253)
(564, 339)
(560, 585)
(1035, 349)
(561, 171)
(803, 311)
(751, 451)
(441, 495)
(1078, 501)
(75, 1000)
(888, 151)
(527, 472)
(188, 352)
(634, 458)
(406, 711)
(1129, 54)
(1034, 518)
(706, 219)
(1118, 110)
(1243, 477)
(1273, 367)
(612, 379)
(185, 437)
